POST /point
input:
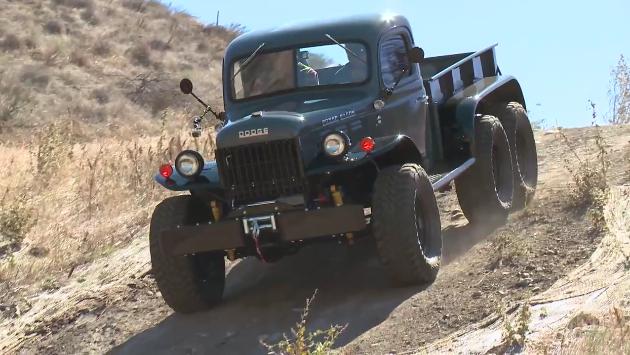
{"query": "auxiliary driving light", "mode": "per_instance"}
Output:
(189, 163)
(335, 144)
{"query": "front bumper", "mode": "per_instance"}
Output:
(293, 225)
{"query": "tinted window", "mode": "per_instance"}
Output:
(393, 59)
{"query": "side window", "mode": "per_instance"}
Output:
(393, 59)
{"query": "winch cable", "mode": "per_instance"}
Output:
(256, 238)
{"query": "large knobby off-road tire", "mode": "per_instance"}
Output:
(190, 283)
(524, 158)
(485, 190)
(406, 224)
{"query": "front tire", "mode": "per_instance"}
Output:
(406, 224)
(485, 190)
(189, 283)
(523, 146)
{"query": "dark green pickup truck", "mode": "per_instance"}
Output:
(340, 131)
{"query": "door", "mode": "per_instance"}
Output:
(406, 107)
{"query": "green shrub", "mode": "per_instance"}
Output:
(16, 219)
(303, 342)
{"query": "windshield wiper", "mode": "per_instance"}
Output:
(248, 60)
(346, 48)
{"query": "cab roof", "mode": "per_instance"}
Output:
(359, 28)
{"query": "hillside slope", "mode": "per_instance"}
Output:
(113, 302)
(111, 67)
(89, 108)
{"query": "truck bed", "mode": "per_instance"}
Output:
(445, 75)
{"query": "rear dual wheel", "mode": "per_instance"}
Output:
(485, 190)
(524, 157)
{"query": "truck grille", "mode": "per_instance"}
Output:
(262, 171)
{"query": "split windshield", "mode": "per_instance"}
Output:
(267, 73)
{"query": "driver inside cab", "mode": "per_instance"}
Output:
(355, 71)
(307, 76)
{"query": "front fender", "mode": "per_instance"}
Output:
(387, 150)
(207, 180)
(481, 98)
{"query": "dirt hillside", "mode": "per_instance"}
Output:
(112, 303)
(109, 66)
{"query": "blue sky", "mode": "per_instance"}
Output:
(562, 52)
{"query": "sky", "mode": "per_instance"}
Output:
(562, 52)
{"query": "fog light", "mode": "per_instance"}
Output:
(189, 163)
(335, 144)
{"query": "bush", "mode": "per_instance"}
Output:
(101, 48)
(620, 93)
(75, 3)
(16, 218)
(101, 95)
(53, 147)
(159, 45)
(140, 55)
(590, 178)
(78, 58)
(89, 16)
(303, 342)
(13, 100)
(35, 76)
(135, 5)
(53, 27)
(10, 42)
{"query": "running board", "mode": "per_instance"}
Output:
(440, 180)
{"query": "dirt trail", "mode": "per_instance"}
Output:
(595, 287)
(113, 304)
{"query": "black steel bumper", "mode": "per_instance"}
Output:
(291, 226)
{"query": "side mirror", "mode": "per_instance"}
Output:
(186, 86)
(416, 55)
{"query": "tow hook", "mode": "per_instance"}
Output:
(338, 200)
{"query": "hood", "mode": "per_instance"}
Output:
(260, 127)
(292, 118)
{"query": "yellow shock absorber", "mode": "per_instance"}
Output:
(216, 214)
(336, 195)
(216, 211)
(338, 200)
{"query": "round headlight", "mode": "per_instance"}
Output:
(189, 163)
(334, 144)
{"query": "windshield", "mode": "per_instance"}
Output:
(290, 69)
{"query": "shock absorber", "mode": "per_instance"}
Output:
(216, 217)
(338, 200)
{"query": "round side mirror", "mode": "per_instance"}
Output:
(186, 86)
(416, 55)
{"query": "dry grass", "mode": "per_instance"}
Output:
(60, 51)
(76, 201)
(592, 335)
(589, 174)
(84, 128)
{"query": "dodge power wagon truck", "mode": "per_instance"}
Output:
(337, 131)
